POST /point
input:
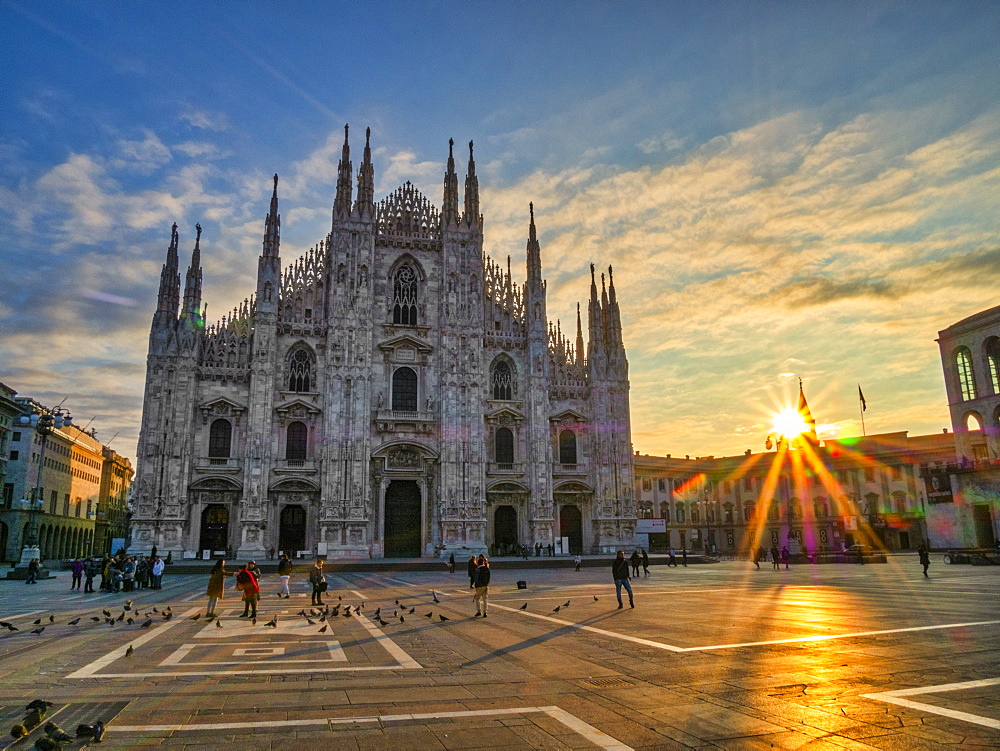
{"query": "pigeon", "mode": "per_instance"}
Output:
(38, 622)
(121, 617)
(147, 623)
(38, 630)
(566, 604)
(254, 620)
(339, 598)
(196, 617)
(595, 598)
(18, 732)
(73, 622)
(129, 621)
(302, 613)
(397, 602)
(395, 613)
(129, 651)
(155, 610)
(95, 618)
(435, 596)
(382, 623)
(347, 609)
(12, 627)
(524, 606)
(323, 630)
(109, 621)
(378, 614)
(40, 704)
(411, 610)
(322, 619)
(429, 615)
(557, 608)
(218, 624)
(56, 733)
(347, 614)
(107, 613)
(273, 623)
(128, 604)
(5, 624)
(84, 731)
(443, 618)
(98, 731)
(310, 621)
(52, 619)
(168, 616)
(402, 619)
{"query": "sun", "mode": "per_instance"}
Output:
(789, 423)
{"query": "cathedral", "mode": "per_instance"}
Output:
(392, 393)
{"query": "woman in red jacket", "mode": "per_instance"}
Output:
(246, 582)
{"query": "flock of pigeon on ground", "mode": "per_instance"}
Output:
(54, 736)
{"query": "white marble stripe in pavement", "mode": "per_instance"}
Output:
(574, 723)
(88, 670)
(22, 615)
(895, 697)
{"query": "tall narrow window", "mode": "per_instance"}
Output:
(300, 371)
(963, 361)
(504, 446)
(404, 296)
(296, 442)
(404, 390)
(567, 450)
(993, 359)
(503, 381)
(220, 438)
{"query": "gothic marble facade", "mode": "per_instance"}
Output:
(391, 393)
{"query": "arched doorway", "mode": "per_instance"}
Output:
(571, 526)
(402, 519)
(214, 528)
(505, 528)
(292, 531)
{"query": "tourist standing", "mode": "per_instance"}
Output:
(32, 572)
(472, 566)
(636, 560)
(925, 558)
(481, 597)
(318, 582)
(619, 572)
(90, 568)
(285, 574)
(785, 555)
(216, 586)
(451, 563)
(246, 582)
(157, 571)
(775, 564)
(684, 557)
(77, 568)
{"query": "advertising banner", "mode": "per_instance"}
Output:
(938, 488)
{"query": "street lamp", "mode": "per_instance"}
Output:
(44, 422)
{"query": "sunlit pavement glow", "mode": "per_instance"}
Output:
(719, 655)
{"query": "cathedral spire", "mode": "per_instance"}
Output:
(534, 251)
(170, 281)
(366, 180)
(449, 212)
(595, 323)
(192, 284)
(272, 225)
(342, 203)
(614, 314)
(579, 336)
(471, 193)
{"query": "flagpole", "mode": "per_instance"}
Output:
(861, 403)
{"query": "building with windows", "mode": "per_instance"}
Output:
(966, 492)
(868, 490)
(9, 410)
(391, 393)
(67, 475)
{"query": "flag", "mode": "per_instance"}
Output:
(806, 413)
(861, 396)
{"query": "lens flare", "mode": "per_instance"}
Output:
(790, 423)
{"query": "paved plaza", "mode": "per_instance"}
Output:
(713, 656)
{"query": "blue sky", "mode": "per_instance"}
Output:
(785, 189)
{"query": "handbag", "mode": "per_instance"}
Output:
(323, 585)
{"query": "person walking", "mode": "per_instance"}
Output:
(785, 556)
(246, 582)
(645, 562)
(578, 561)
(32, 572)
(157, 571)
(76, 567)
(756, 558)
(451, 563)
(636, 560)
(619, 572)
(285, 574)
(318, 581)
(216, 589)
(481, 597)
(673, 558)
(472, 566)
(684, 557)
(775, 564)
(925, 558)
